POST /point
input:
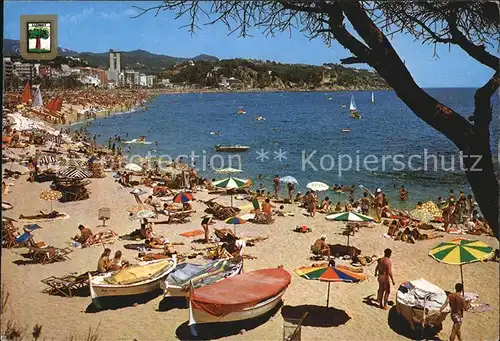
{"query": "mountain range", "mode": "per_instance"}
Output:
(139, 60)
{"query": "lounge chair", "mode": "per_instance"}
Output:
(48, 254)
(67, 284)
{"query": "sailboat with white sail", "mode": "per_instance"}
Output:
(352, 108)
(37, 99)
(373, 98)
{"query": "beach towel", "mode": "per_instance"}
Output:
(480, 308)
(193, 233)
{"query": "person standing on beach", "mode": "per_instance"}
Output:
(383, 272)
(312, 203)
(458, 304)
(206, 220)
(276, 181)
(403, 193)
(365, 203)
(379, 203)
(291, 188)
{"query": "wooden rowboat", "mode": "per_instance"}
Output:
(130, 281)
(176, 284)
(238, 298)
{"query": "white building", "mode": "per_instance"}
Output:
(146, 80)
(25, 70)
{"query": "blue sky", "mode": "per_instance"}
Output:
(99, 26)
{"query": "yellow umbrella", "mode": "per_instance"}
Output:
(461, 251)
(50, 195)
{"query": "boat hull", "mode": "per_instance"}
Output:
(197, 316)
(170, 290)
(231, 149)
(101, 291)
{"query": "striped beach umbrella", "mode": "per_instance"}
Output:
(182, 197)
(348, 216)
(461, 251)
(228, 170)
(329, 274)
(230, 183)
(235, 221)
(75, 173)
(47, 160)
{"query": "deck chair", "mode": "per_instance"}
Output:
(67, 284)
(48, 254)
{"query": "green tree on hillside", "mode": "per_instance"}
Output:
(38, 33)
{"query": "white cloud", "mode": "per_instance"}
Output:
(130, 12)
(78, 17)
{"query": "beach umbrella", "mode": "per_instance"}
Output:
(182, 197)
(461, 251)
(289, 179)
(422, 215)
(140, 207)
(228, 170)
(133, 167)
(50, 195)
(329, 274)
(143, 214)
(317, 186)
(235, 221)
(75, 173)
(348, 216)
(47, 160)
(230, 183)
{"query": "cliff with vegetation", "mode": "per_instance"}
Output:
(244, 73)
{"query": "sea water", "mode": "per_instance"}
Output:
(301, 136)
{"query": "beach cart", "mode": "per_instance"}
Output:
(420, 301)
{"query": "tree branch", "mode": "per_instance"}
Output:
(482, 103)
(352, 60)
(389, 65)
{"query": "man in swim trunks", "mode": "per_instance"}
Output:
(403, 193)
(276, 181)
(458, 305)
(320, 247)
(384, 273)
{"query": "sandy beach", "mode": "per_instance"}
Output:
(351, 318)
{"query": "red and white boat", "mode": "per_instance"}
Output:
(238, 298)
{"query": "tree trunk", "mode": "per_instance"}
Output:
(37, 46)
(483, 180)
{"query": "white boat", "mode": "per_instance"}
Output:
(140, 140)
(238, 298)
(176, 284)
(352, 108)
(134, 280)
(345, 130)
(373, 98)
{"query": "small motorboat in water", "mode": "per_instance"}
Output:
(235, 148)
(176, 284)
(238, 298)
(134, 280)
(345, 130)
(241, 112)
(260, 118)
(141, 140)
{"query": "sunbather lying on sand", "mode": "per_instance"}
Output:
(51, 215)
(168, 252)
